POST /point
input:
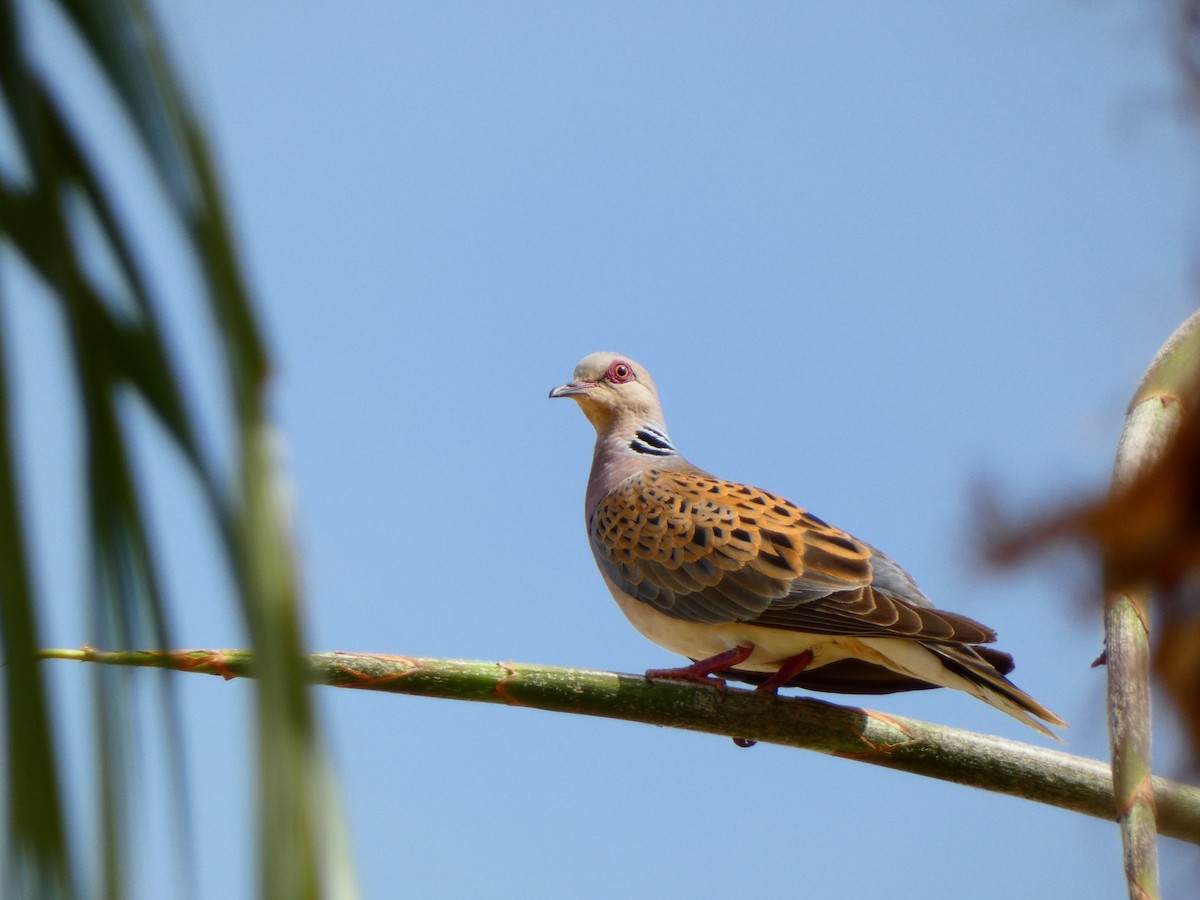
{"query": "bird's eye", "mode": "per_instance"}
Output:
(620, 372)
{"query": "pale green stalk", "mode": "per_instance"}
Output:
(1152, 419)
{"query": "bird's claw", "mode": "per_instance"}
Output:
(703, 671)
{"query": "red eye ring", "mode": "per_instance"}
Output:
(619, 372)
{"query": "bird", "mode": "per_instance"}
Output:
(752, 587)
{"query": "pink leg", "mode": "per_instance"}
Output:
(703, 671)
(791, 667)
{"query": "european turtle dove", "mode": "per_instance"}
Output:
(749, 585)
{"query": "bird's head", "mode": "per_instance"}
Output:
(612, 389)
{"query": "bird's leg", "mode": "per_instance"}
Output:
(789, 669)
(702, 671)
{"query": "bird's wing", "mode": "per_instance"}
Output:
(698, 548)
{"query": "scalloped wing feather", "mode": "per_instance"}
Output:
(703, 549)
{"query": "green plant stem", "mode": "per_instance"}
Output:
(1151, 422)
(1009, 767)
(1127, 653)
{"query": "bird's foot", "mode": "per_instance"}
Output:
(702, 671)
(791, 667)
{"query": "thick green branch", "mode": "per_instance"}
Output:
(994, 764)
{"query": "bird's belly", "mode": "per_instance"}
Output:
(772, 646)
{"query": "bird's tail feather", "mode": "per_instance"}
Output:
(993, 688)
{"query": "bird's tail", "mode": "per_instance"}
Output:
(984, 681)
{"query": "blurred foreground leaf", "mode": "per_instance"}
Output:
(58, 204)
(1147, 530)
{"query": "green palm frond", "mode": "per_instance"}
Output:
(119, 351)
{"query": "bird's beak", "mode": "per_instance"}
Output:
(572, 389)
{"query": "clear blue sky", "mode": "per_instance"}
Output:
(875, 255)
